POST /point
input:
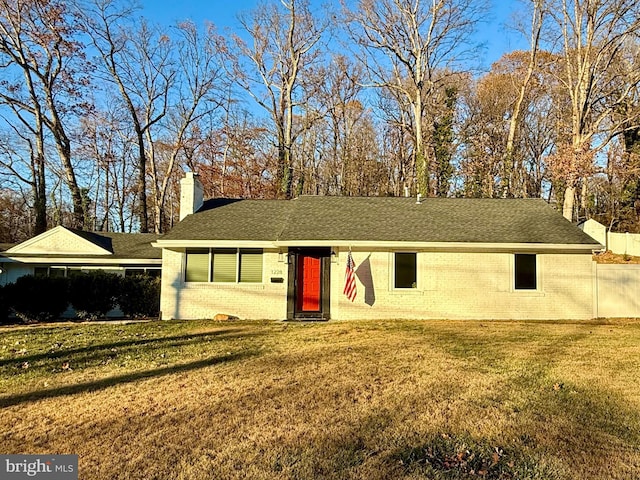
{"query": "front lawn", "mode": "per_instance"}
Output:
(364, 400)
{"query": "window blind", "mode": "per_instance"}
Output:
(224, 264)
(197, 269)
(251, 266)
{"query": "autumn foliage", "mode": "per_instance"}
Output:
(102, 110)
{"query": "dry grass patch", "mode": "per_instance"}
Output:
(617, 258)
(396, 399)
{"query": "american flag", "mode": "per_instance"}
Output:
(350, 279)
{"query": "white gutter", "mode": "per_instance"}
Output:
(82, 261)
(377, 245)
(179, 244)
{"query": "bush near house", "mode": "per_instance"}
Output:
(38, 298)
(139, 296)
(4, 306)
(91, 294)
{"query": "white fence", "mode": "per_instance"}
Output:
(618, 290)
(624, 243)
(621, 243)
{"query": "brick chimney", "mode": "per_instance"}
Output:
(191, 195)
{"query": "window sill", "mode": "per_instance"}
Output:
(528, 293)
(220, 285)
(406, 291)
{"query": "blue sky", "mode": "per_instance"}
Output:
(223, 13)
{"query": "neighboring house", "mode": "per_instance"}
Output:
(436, 258)
(62, 250)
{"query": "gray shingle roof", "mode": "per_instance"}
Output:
(6, 246)
(123, 245)
(228, 219)
(380, 219)
(133, 245)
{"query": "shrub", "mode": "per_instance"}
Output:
(93, 294)
(140, 296)
(38, 298)
(4, 305)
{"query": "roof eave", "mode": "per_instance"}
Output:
(69, 260)
(436, 246)
(179, 244)
(447, 246)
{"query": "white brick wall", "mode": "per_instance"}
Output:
(469, 286)
(450, 285)
(204, 300)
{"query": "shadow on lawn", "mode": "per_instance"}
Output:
(588, 431)
(121, 379)
(138, 342)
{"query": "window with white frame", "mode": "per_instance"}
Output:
(405, 270)
(224, 265)
(525, 272)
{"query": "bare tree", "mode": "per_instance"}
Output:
(511, 153)
(270, 68)
(137, 60)
(485, 103)
(37, 43)
(515, 120)
(404, 44)
(195, 95)
(339, 95)
(595, 36)
(106, 140)
(24, 166)
(14, 215)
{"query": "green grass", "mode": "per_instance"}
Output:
(366, 399)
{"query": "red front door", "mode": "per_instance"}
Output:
(309, 284)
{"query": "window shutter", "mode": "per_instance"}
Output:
(197, 266)
(224, 265)
(251, 266)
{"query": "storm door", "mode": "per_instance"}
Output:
(309, 296)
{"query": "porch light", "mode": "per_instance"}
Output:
(283, 257)
(334, 256)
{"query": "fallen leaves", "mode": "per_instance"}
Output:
(466, 457)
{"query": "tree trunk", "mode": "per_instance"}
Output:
(39, 180)
(421, 161)
(40, 197)
(64, 150)
(509, 167)
(143, 215)
(569, 202)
